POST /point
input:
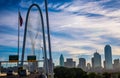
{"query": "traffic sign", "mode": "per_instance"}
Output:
(31, 58)
(13, 58)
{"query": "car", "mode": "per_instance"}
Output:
(42, 75)
(24, 72)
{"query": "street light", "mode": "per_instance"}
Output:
(49, 43)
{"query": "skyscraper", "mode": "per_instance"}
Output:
(88, 66)
(92, 60)
(70, 63)
(108, 57)
(104, 64)
(97, 60)
(82, 63)
(61, 60)
(116, 64)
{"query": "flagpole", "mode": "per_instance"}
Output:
(18, 36)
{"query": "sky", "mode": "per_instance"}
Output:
(77, 27)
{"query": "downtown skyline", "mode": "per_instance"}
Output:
(77, 28)
(96, 62)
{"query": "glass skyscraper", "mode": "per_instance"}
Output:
(108, 57)
(61, 60)
(82, 63)
(70, 63)
(97, 60)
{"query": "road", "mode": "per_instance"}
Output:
(30, 76)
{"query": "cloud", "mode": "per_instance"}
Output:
(6, 19)
(82, 29)
(25, 4)
(78, 28)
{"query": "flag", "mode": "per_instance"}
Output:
(20, 19)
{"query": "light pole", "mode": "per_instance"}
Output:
(49, 41)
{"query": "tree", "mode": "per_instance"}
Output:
(63, 72)
(106, 75)
(92, 75)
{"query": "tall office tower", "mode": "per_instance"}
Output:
(116, 64)
(61, 60)
(104, 64)
(92, 60)
(82, 63)
(108, 57)
(70, 63)
(97, 60)
(88, 66)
